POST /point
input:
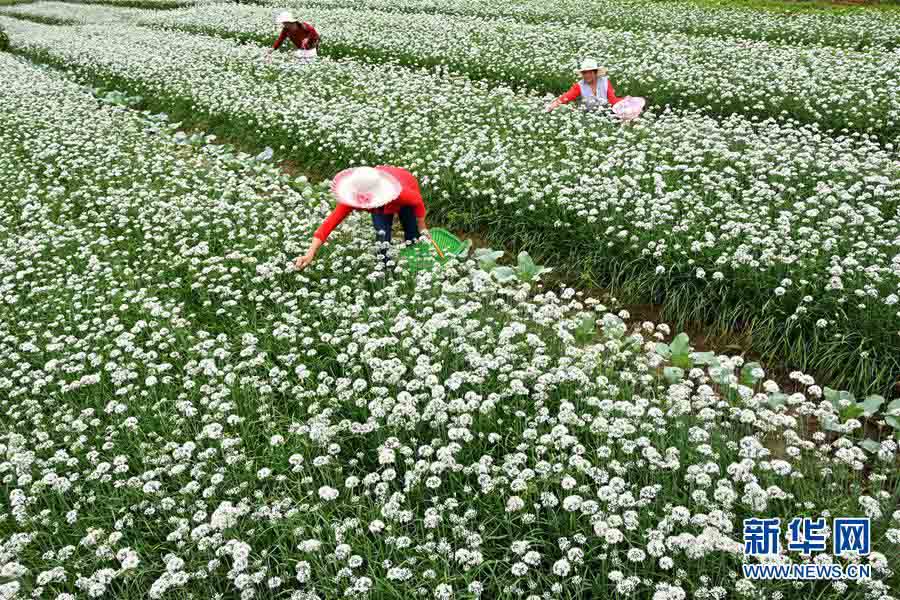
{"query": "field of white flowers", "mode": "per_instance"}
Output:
(185, 416)
(811, 83)
(781, 227)
(860, 29)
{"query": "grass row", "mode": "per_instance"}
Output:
(144, 4)
(788, 7)
(659, 91)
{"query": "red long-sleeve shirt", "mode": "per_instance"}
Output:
(575, 92)
(410, 195)
(305, 37)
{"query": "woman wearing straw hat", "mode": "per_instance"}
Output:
(303, 34)
(594, 88)
(382, 191)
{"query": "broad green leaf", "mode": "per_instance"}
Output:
(872, 403)
(837, 397)
(830, 423)
(777, 399)
(503, 274)
(487, 254)
(681, 344)
(682, 360)
(721, 375)
(854, 411)
(526, 263)
(681, 348)
(527, 270)
(870, 445)
(663, 350)
(893, 422)
(487, 258)
(893, 408)
(673, 374)
(264, 155)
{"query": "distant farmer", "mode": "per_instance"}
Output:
(382, 191)
(302, 34)
(594, 88)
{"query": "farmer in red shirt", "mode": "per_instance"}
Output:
(594, 89)
(382, 191)
(304, 35)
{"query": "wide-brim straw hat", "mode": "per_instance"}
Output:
(365, 187)
(589, 64)
(285, 17)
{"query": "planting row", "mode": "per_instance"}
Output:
(836, 89)
(771, 224)
(851, 29)
(145, 4)
(184, 415)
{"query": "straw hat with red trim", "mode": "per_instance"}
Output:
(365, 187)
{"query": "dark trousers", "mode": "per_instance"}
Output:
(384, 224)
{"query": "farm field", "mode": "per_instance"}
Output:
(749, 237)
(810, 83)
(185, 415)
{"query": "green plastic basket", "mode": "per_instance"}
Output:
(423, 257)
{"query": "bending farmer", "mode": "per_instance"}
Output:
(594, 88)
(383, 191)
(303, 35)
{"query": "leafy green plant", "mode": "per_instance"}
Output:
(678, 352)
(892, 417)
(487, 258)
(673, 374)
(526, 270)
(116, 97)
(846, 407)
(587, 327)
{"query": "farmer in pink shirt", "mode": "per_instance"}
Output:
(382, 191)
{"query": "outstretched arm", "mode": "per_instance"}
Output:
(280, 39)
(334, 219)
(419, 210)
(573, 93)
(301, 262)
